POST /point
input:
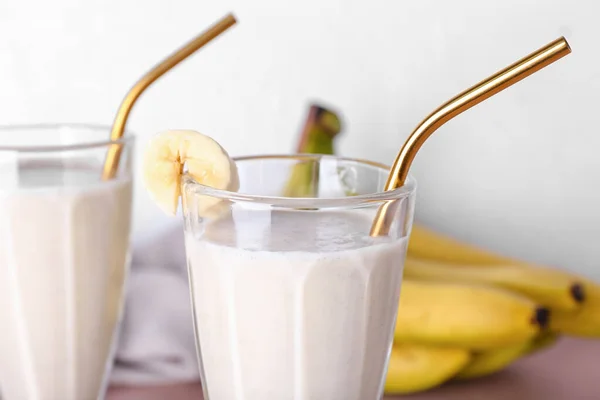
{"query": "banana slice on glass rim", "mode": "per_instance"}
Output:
(206, 161)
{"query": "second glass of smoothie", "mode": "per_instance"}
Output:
(293, 299)
(64, 256)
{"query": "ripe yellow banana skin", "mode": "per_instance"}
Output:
(414, 368)
(584, 322)
(542, 341)
(492, 361)
(469, 316)
(426, 243)
(549, 287)
(495, 360)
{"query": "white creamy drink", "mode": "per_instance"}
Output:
(294, 305)
(64, 237)
(293, 299)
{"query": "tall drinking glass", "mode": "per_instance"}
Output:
(292, 297)
(64, 239)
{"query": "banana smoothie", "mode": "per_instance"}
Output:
(293, 299)
(298, 306)
(64, 238)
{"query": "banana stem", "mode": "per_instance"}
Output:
(320, 129)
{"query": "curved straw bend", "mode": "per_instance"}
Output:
(111, 164)
(455, 106)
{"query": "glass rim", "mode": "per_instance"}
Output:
(402, 192)
(126, 138)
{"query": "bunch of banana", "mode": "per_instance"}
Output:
(464, 312)
(480, 311)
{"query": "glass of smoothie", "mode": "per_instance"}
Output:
(64, 254)
(293, 299)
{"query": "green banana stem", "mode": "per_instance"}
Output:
(320, 130)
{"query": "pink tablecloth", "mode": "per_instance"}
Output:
(568, 371)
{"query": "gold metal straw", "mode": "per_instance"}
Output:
(462, 102)
(111, 164)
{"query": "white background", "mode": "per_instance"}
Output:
(518, 174)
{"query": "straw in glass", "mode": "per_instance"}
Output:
(455, 106)
(111, 163)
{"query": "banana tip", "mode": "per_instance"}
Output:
(578, 292)
(542, 317)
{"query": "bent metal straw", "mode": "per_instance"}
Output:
(111, 164)
(455, 106)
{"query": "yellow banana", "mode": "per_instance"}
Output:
(413, 367)
(492, 361)
(542, 342)
(584, 322)
(549, 287)
(470, 316)
(495, 360)
(429, 244)
(207, 162)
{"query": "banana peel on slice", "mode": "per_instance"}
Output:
(169, 153)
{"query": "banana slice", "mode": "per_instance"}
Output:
(206, 161)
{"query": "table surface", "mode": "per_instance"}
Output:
(568, 371)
